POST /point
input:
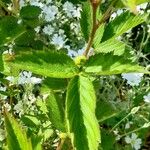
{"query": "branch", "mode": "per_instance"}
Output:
(96, 24)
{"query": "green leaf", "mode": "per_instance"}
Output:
(122, 24)
(16, 137)
(46, 63)
(108, 140)
(30, 12)
(108, 112)
(80, 110)
(108, 64)
(55, 83)
(55, 111)
(26, 39)
(9, 30)
(36, 142)
(86, 20)
(30, 120)
(111, 45)
(98, 36)
(1, 63)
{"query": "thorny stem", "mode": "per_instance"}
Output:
(96, 23)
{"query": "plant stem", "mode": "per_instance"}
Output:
(138, 129)
(96, 23)
(120, 121)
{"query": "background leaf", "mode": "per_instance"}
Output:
(55, 83)
(108, 112)
(86, 20)
(1, 63)
(16, 137)
(9, 30)
(122, 24)
(30, 12)
(80, 109)
(56, 111)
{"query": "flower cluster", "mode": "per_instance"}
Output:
(58, 15)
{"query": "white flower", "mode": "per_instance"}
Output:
(7, 106)
(19, 108)
(75, 28)
(2, 135)
(71, 10)
(37, 29)
(2, 88)
(133, 78)
(48, 1)
(134, 141)
(58, 41)
(76, 13)
(21, 3)
(36, 3)
(32, 99)
(73, 53)
(141, 8)
(35, 80)
(147, 98)
(48, 30)
(50, 12)
(11, 79)
(26, 78)
(68, 8)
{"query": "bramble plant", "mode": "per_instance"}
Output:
(66, 98)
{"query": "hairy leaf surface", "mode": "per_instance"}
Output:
(51, 64)
(80, 111)
(111, 45)
(108, 64)
(121, 24)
